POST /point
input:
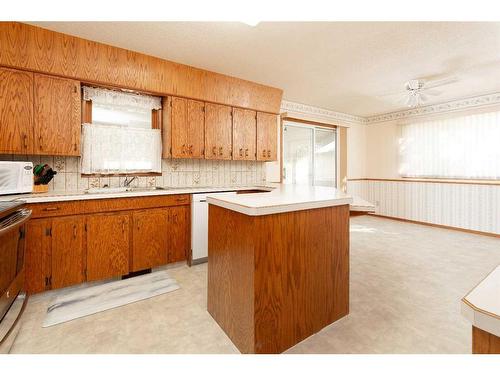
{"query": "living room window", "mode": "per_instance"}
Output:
(465, 147)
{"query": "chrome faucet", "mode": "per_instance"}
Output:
(127, 182)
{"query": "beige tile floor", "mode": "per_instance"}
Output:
(406, 284)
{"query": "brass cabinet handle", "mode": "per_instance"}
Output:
(51, 209)
(183, 199)
(214, 150)
(241, 152)
(220, 151)
(74, 231)
(246, 152)
(123, 226)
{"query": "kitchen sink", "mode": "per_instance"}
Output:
(106, 190)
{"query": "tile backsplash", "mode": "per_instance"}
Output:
(175, 173)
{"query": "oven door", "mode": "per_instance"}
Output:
(12, 295)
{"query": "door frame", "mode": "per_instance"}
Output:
(313, 124)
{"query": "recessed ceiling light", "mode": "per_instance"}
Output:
(252, 23)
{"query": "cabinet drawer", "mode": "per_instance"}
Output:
(107, 205)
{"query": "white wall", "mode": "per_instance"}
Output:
(356, 151)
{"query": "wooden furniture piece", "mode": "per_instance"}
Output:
(33, 48)
(16, 111)
(218, 131)
(57, 116)
(267, 133)
(244, 134)
(75, 241)
(187, 128)
(484, 342)
(274, 280)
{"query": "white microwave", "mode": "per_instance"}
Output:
(16, 177)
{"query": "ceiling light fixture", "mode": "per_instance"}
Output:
(251, 23)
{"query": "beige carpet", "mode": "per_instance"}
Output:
(406, 284)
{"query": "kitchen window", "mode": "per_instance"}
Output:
(120, 137)
(464, 147)
(309, 154)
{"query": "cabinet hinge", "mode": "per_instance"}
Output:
(85, 273)
(22, 234)
(85, 227)
(48, 232)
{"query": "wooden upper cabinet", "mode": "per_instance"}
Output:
(16, 111)
(150, 238)
(57, 116)
(244, 134)
(267, 138)
(107, 246)
(218, 132)
(67, 261)
(187, 128)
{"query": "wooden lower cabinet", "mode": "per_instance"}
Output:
(178, 233)
(67, 236)
(37, 261)
(107, 246)
(79, 246)
(54, 253)
(150, 238)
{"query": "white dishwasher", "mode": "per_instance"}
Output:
(199, 227)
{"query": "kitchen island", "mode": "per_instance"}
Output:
(278, 265)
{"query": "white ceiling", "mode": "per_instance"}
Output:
(342, 66)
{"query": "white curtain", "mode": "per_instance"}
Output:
(466, 147)
(120, 138)
(120, 98)
(110, 149)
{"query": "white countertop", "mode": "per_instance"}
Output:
(55, 196)
(482, 305)
(284, 198)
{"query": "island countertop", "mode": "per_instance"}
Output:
(481, 306)
(283, 198)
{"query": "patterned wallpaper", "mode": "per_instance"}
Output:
(474, 207)
(175, 173)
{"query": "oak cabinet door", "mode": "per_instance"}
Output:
(178, 233)
(244, 134)
(150, 239)
(267, 140)
(218, 132)
(16, 111)
(179, 127)
(57, 116)
(37, 261)
(107, 246)
(67, 251)
(196, 129)
(188, 128)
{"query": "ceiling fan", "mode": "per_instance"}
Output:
(417, 91)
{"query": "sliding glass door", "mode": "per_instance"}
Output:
(309, 155)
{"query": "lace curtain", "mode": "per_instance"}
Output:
(120, 138)
(121, 99)
(461, 147)
(110, 149)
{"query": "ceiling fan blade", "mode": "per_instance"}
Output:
(432, 92)
(440, 82)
